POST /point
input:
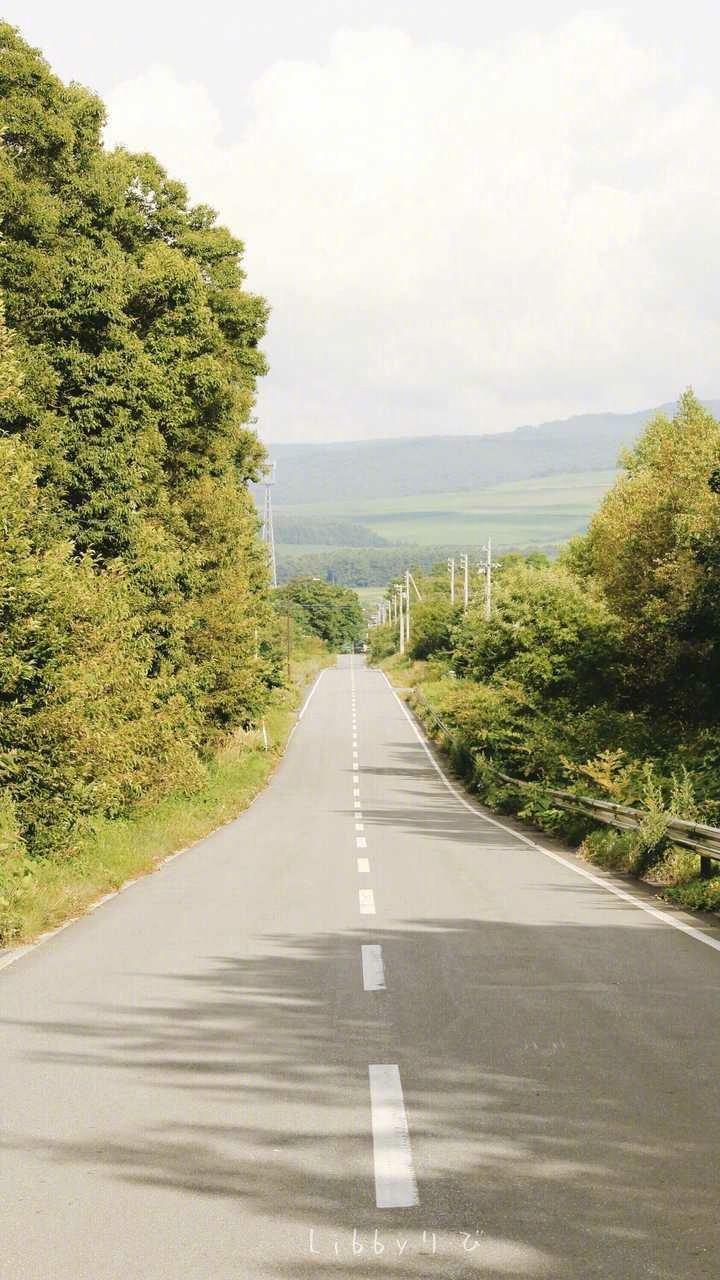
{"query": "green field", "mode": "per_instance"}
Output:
(524, 513)
(370, 596)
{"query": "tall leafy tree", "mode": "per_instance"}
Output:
(135, 623)
(140, 346)
(652, 546)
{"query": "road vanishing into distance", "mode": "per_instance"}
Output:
(364, 1030)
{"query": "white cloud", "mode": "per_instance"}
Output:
(458, 240)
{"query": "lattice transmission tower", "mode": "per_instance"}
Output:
(268, 533)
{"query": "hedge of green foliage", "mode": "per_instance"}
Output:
(135, 624)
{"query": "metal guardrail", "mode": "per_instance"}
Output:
(702, 839)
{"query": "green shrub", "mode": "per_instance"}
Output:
(612, 849)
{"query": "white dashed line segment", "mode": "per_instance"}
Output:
(395, 1185)
(366, 898)
(373, 968)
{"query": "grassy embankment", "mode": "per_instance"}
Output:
(676, 875)
(42, 893)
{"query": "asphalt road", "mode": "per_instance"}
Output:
(373, 1013)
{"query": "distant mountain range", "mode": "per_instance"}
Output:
(371, 469)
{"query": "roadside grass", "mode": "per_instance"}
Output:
(39, 894)
(676, 874)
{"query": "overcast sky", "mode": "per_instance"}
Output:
(465, 216)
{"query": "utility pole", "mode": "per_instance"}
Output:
(402, 620)
(268, 533)
(465, 562)
(451, 567)
(407, 608)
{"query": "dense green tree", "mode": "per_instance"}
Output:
(135, 622)
(548, 632)
(331, 612)
(653, 548)
(140, 350)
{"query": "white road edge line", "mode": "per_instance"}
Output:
(580, 871)
(395, 1185)
(373, 968)
(366, 898)
(17, 953)
(310, 696)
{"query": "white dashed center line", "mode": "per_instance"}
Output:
(363, 866)
(373, 969)
(395, 1185)
(366, 898)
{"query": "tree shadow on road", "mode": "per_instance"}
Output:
(553, 1117)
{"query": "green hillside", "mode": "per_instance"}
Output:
(529, 512)
(361, 471)
(357, 513)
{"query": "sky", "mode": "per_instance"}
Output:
(465, 216)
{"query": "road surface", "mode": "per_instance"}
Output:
(361, 1031)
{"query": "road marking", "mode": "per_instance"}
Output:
(373, 968)
(395, 1185)
(366, 898)
(356, 803)
(356, 793)
(359, 826)
(579, 871)
(310, 696)
(360, 842)
(356, 777)
(363, 866)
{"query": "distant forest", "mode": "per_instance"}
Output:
(307, 532)
(367, 567)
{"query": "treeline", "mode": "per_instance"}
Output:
(136, 631)
(600, 672)
(305, 531)
(365, 567)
